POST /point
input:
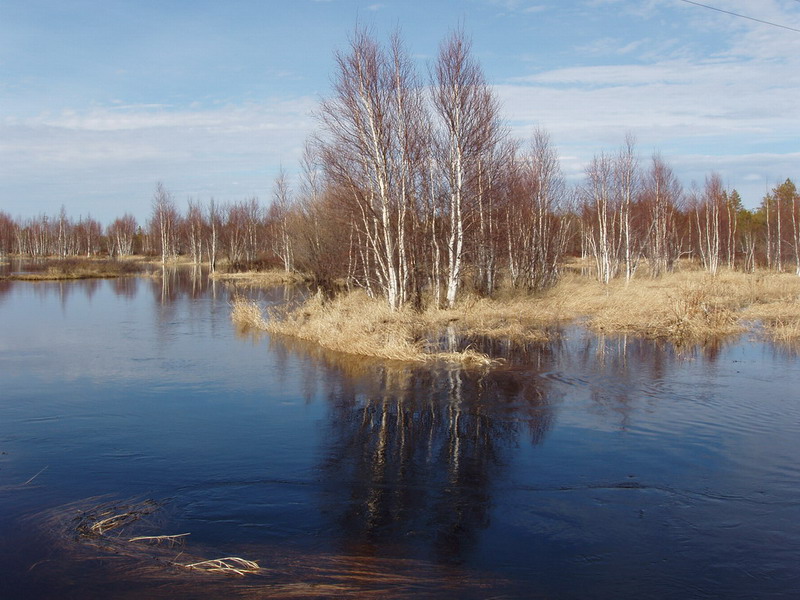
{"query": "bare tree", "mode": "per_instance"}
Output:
(469, 132)
(164, 221)
(602, 230)
(661, 196)
(537, 227)
(121, 234)
(214, 218)
(280, 213)
(370, 152)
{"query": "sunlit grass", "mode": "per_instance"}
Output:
(77, 268)
(262, 279)
(687, 307)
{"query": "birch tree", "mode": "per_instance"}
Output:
(164, 221)
(370, 150)
(469, 131)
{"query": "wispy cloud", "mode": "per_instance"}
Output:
(117, 152)
(737, 107)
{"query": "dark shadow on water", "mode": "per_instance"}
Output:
(412, 454)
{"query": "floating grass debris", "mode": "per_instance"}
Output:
(172, 540)
(107, 527)
(230, 565)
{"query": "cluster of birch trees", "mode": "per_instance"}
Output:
(414, 190)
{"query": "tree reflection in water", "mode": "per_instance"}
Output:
(412, 455)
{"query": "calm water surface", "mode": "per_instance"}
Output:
(586, 467)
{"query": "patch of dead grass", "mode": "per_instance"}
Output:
(686, 307)
(261, 279)
(354, 324)
(77, 268)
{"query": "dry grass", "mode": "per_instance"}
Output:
(77, 268)
(690, 306)
(101, 526)
(684, 307)
(687, 307)
(355, 324)
(262, 279)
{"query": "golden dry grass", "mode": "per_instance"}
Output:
(262, 279)
(77, 268)
(354, 324)
(687, 307)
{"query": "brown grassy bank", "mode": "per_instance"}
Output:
(355, 324)
(77, 268)
(262, 279)
(689, 307)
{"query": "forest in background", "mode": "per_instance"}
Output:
(414, 191)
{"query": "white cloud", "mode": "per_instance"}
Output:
(114, 154)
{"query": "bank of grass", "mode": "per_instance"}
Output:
(687, 308)
(262, 279)
(77, 268)
(356, 324)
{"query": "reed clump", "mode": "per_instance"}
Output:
(247, 313)
(355, 324)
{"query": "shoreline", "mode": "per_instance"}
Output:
(688, 308)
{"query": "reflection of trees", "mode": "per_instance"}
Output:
(412, 455)
(623, 370)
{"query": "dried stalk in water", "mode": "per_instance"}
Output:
(173, 540)
(231, 565)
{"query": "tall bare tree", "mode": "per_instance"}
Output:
(371, 150)
(661, 195)
(164, 221)
(468, 134)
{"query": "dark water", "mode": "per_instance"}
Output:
(583, 468)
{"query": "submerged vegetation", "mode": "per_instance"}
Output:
(107, 527)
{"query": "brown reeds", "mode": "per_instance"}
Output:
(355, 324)
(687, 307)
(77, 268)
(262, 279)
(102, 526)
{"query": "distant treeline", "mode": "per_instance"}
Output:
(414, 190)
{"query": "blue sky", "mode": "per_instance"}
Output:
(99, 100)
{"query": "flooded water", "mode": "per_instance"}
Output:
(585, 467)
